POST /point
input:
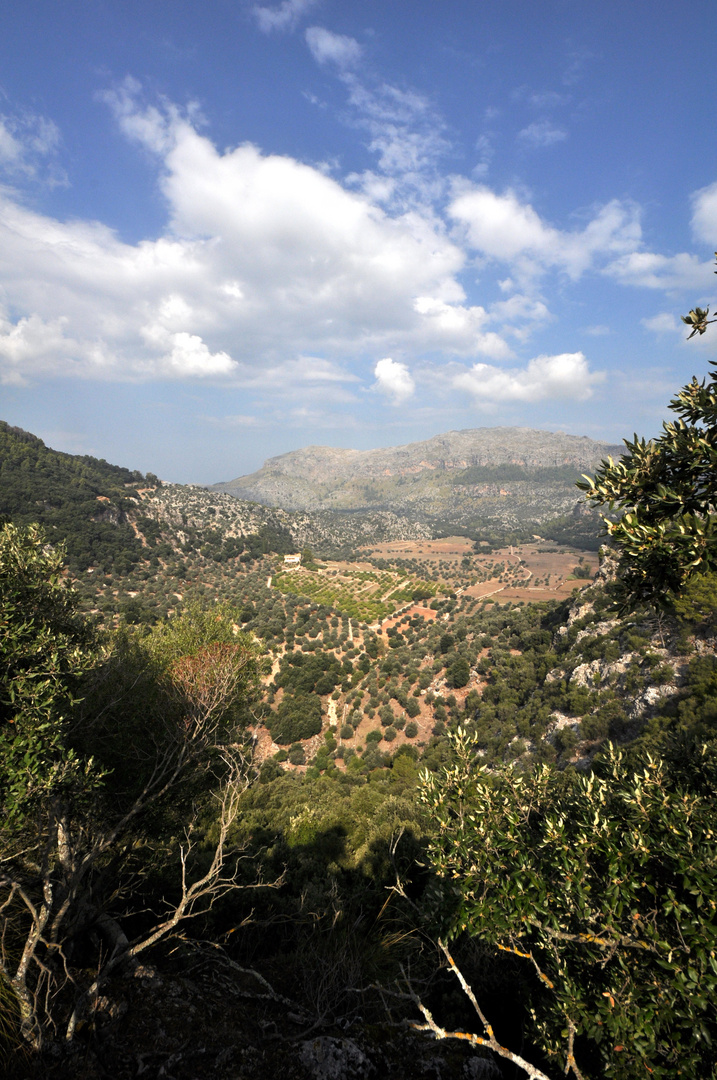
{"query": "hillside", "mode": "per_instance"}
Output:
(81, 501)
(369, 664)
(108, 515)
(138, 546)
(501, 478)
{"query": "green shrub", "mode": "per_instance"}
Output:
(296, 718)
(297, 755)
(599, 882)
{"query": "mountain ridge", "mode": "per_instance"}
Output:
(529, 447)
(500, 474)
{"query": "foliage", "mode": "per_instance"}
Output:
(697, 603)
(44, 648)
(297, 717)
(667, 490)
(81, 501)
(604, 884)
(458, 674)
(92, 788)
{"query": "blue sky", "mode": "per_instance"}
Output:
(231, 229)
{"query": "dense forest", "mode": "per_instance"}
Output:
(439, 808)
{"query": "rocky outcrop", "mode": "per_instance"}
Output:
(418, 476)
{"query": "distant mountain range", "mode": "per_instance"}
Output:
(503, 475)
(494, 484)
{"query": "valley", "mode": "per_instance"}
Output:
(378, 645)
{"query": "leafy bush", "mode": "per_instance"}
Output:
(297, 755)
(297, 717)
(599, 882)
(667, 491)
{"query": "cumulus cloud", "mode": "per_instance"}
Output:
(651, 270)
(458, 328)
(273, 276)
(519, 315)
(542, 133)
(506, 229)
(283, 17)
(325, 46)
(566, 376)
(264, 258)
(394, 379)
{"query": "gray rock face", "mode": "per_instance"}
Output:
(423, 477)
(454, 450)
(327, 1058)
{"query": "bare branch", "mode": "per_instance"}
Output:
(489, 1041)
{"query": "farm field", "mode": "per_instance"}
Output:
(366, 594)
(398, 685)
(528, 572)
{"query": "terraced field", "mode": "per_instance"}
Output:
(367, 595)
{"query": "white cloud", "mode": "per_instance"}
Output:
(311, 376)
(567, 375)
(238, 420)
(458, 328)
(325, 46)
(542, 133)
(504, 228)
(664, 323)
(653, 271)
(704, 214)
(273, 276)
(650, 270)
(406, 133)
(283, 17)
(394, 380)
(548, 99)
(185, 355)
(10, 148)
(519, 315)
(264, 258)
